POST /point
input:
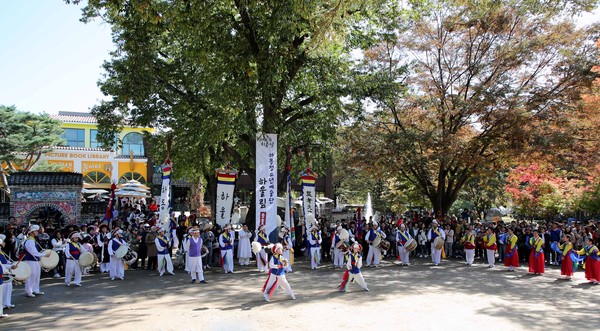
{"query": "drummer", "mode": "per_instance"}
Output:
(74, 250)
(403, 238)
(32, 258)
(373, 236)
(434, 232)
(117, 267)
(5, 287)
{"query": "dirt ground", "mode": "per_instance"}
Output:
(451, 296)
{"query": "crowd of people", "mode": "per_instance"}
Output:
(196, 244)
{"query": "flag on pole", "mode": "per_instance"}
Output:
(108, 215)
(309, 179)
(165, 196)
(266, 182)
(225, 186)
(289, 213)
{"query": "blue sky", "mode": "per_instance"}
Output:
(49, 60)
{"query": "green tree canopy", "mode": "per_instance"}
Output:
(482, 80)
(24, 137)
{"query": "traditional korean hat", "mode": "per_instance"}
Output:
(2, 238)
(117, 232)
(74, 234)
(194, 230)
(227, 227)
(357, 246)
(33, 227)
(277, 248)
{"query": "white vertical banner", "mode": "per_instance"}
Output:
(266, 181)
(165, 197)
(309, 180)
(225, 186)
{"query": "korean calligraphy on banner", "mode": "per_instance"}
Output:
(165, 196)
(225, 186)
(266, 181)
(309, 178)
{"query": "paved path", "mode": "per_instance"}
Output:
(420, 297)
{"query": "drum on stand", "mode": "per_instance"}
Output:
(50, 262)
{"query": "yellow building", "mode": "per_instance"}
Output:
(100, 167)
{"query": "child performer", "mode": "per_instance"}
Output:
(277, 263)
(353, 269)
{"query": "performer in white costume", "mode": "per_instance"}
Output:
(193, 246)
(117, 267)
(32, 258)
(338, 255)
(162, 248)
(315, 239)
(352, 273)
(434, 232)
(403, 237)
(261, 256)
(244, 248)
(374, 255)
(277, 274)
(226, 246)
(5, 286)
(288, 247)
(72, 253)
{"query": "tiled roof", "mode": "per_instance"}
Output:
(70, 148)
(45, 178)
(89, 119)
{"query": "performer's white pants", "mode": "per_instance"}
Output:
(1, 299)
(175, 239)
(32, 284)
(227, 256)
(281, 282)
(262, 256)
(374, 256)
(491, 256)
(436, 255)
(71, 269)
(470, 255)
(404, 254)
(187, 258)
(244, 261)
(358, 278)
(195, 267)
(338, 258)
(117, 269)
(104, 267)
(6, 296)
(286, 254)
(164, 260)
(315, 257)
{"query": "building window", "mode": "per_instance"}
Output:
(133, 142)
(93, 140)
(132, 176)
(97, 177)
(74, 137)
